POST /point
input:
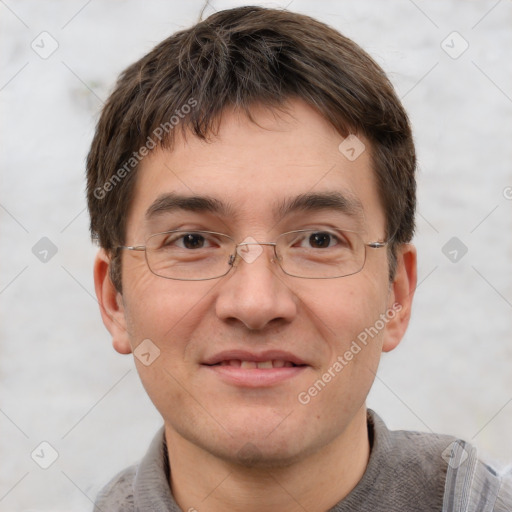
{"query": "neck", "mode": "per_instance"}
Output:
(202, 482)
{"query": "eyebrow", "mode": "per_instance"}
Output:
(316, 201)
(171, 202)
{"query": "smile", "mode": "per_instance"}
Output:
(275, 363)
(254, 370)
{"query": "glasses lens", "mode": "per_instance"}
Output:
(321, 253)
(189, 255)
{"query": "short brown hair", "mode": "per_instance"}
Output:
(237, 58)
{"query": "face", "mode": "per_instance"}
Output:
(249, 359)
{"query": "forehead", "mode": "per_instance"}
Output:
(254, 168)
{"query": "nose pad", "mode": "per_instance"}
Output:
(250, 252)
(276, 258)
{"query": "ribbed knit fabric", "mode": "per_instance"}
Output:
(407, 472)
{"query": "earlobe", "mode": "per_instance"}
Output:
(111, 304)
(400, 296)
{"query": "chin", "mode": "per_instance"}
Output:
(257, 437)
(258, 447)
(258, 456)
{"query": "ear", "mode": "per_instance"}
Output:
(111, 304)
(401, 294)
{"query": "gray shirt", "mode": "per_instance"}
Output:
(407, 472)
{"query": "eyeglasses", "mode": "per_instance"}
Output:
(308, 254)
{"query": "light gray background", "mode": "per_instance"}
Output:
(61, 381)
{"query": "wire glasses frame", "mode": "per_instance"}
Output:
(168, 259)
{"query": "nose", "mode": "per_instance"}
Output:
(255, 293)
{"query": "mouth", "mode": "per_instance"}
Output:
(251, 365)
(252, 370)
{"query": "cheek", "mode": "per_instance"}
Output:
(343, 308)
(162, 316)
(161, 309)
(345, 314)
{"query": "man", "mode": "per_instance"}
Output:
(251, 185)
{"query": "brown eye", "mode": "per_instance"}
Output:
(193, 241)
(320, 240)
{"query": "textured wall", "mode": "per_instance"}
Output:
(60, 380)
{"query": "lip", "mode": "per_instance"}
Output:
(254, 377)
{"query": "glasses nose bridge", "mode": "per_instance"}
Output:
(256, 243)
(236, 254)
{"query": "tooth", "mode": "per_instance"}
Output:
(278, 363)
(287, 364)
(235, 362)
(265, 364)
(248, 364)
